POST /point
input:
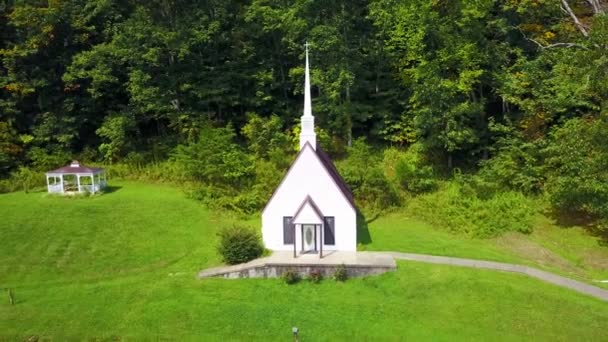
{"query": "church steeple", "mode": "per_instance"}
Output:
(307, 134)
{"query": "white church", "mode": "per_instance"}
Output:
(312, 211)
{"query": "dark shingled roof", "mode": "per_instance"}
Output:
(333, 172)
(76, 167)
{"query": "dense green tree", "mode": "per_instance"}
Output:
(577, 160)
(448, 54)
(363, 172)
(349, 71)
(564, 74)
(265, 136)
(43, 38)
(215, 158)
(493, 87)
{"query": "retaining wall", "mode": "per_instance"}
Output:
(277, 270)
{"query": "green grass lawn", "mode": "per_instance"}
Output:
(569, 251)
(400, 232)
(124, 265)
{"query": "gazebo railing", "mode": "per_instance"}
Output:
(91, 188)
(55, 188)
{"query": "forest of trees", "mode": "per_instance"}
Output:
(510, 94)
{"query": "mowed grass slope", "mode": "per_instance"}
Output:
(400, 232)
(124, 265)
(571, 251)
(136, 228)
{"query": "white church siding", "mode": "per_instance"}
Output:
(309, 177)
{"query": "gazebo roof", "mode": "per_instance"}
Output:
(76, 167)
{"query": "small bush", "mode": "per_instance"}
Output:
(315, 276)
(238, 245)
(291, 276)
(340, 273)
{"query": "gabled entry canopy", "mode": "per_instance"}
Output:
(308, 213)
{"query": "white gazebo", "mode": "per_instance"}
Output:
(75, 178)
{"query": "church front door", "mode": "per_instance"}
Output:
(309, 238)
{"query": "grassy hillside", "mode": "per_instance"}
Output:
(572, 251)
(124, 264)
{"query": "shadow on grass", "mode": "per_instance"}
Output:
(363, 236)
(569, 219)
(600, 231)
(593, 225)
(37, 190)
(111, 188)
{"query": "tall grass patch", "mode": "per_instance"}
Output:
(23, 179)
(455, 208)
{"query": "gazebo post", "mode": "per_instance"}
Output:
(93, 183)
(78, 182)
(61, 182)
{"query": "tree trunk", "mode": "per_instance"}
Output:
(596, 5)
(568, 10)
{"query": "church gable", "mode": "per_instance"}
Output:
(309, 175)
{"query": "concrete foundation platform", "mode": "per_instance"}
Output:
(356, 263)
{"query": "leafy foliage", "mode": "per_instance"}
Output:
(340, 273)
(215, 159)
(409, 169)
(265, 137)
(26, 178)
(315, 276)
(458, 208)
(216, 88)
(239, 244)
(517, 165)
(362, 170)
(115, 130)
(577, 160)
(290, 276)
(226, 175)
